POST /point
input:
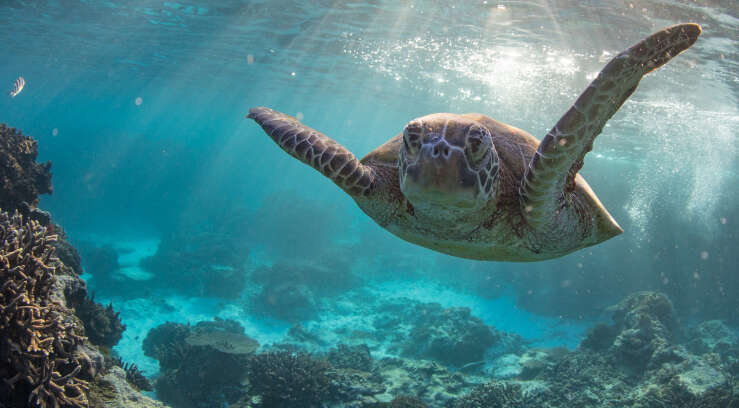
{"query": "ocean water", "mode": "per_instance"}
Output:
(140, 105)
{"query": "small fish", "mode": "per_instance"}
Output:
(17, 87)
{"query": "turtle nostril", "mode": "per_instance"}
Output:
(446, 151)
(436, 151)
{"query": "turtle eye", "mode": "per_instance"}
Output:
(478, 142)
(412, 137)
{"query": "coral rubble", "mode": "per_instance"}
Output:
(38, 335)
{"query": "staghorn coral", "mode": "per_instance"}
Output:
(38, 335)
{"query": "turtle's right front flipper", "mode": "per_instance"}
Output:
(316, 150)
(552, 170)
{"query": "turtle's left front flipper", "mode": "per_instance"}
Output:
(316, 150)
(552, 170)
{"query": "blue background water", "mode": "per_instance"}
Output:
(128, 173)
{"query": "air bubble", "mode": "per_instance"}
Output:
(139, 101)
(55, 132)
(299, 116)
(704, 255)
(249, 59)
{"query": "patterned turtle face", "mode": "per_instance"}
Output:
(447, 161)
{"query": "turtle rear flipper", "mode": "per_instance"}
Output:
(552, 170)
(316, 150)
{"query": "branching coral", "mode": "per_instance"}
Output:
(134, 376)
(102, 324)
(287, 379)
(38, 336)
(496, 395)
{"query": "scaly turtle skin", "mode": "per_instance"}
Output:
(470, 186)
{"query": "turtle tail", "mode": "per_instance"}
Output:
(316, 150)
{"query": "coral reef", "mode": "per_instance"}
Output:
(635, 362)
(134, 376)
(451, 336)
(288, 301)
(288, 379)
(201, 366)
(197, 263)
(102, 263)
(424, 379)
(114, 390)
(401, 401)
(355, 357)
(102, 324)
(22, 178)
(38, 335)
(67, 253)
(495, 395)
(291, 291)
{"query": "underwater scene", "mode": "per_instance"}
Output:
(369, 204)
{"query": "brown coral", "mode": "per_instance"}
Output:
(38, 335)
(22, 178)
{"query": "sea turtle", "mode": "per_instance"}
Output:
(470, 186)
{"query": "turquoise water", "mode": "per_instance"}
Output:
(140, 107)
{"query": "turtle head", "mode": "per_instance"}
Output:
(447, 161)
